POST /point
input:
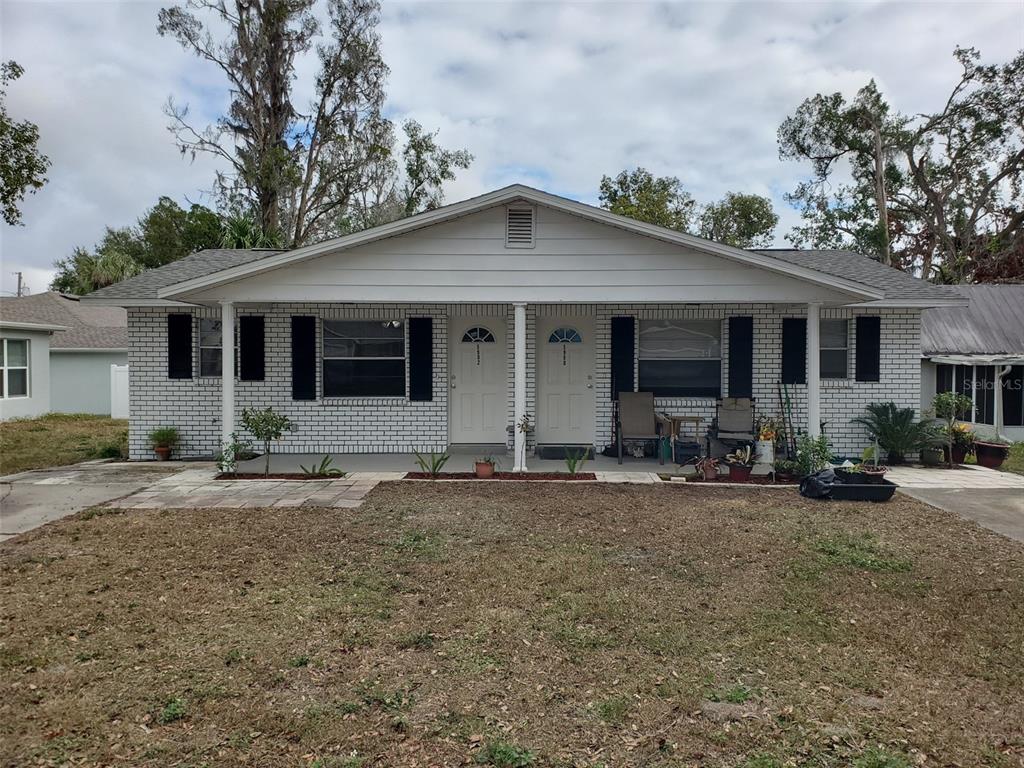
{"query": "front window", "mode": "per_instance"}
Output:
(834, 349)
(364, 358)
(211, 354)
(14, 360)
(681, 358)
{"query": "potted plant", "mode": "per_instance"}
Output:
(931, 456)
(992, 452)
(163, 440)
(767, 434)
(786, 470)
(707, 468)
(741, 462)
(950, 406)
(868, 471)
(959, 442)
(485, 467)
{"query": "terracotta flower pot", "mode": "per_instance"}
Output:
(163, 452)
(484, 469)
(739, 473)
(991, 455)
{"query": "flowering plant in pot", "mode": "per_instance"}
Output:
(991, 452)
(741, 462)
(163, 440)
(484, 467)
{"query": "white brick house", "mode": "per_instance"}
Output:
(447, 327)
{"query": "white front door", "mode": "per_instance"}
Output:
(565, 381)
(478, 381)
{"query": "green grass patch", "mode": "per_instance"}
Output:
(859, 551)
(613, 710)
(57, 439)
(736, 694)
(502, 754)
(172, 711)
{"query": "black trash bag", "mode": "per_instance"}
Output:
(819, 485)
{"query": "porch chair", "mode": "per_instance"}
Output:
(733, 425)
(636, 419)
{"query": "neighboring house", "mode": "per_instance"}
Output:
(91, 339)
(979, 350)
(449, 326)
(25, 368)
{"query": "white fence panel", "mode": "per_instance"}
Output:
(119, 391)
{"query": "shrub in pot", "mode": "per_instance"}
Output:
(740, 462)
(959, 443)
(485, 467)
(950, 406)
(786, 470)
(163, 440)
(991, 453)
(931, 457)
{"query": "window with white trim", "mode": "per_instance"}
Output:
(364, 358)
(211, 351)
(835, 349)
(14, 363)
(680, 358)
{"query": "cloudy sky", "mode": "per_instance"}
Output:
(551, 95)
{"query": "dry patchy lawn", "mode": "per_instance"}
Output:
(57, 439)
(516, 625)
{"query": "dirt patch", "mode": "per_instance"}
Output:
(570, 625)
(276, 476)
(501, 476)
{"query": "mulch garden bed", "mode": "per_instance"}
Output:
(501, 476)
(275, 476)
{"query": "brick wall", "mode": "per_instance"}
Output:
(394, 424)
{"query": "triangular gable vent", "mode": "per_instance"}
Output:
(519, 227)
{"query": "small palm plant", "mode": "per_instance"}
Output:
(897, 430)
(574, 460)
(432, 464)
(323, 469)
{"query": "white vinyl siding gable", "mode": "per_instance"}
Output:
(572, 260)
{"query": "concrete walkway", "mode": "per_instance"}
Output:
(34, 498)
(964, 476)
(197, 489)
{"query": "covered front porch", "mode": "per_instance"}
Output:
(505, 379)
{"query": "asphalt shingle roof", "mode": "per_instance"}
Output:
(849, 265)
(992, 324)
(89, 326)
(145, 285)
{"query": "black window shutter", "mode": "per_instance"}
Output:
(421, 358)
(794, 350)
(303, 357)
(869, 348)
(250, 348)
(179, 346)
(623, 352)
(741, 357)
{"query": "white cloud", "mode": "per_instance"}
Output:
(554, 95)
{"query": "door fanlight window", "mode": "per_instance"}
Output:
(478, 335)
(563, 336)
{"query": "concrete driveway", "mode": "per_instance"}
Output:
(998, 509)
(34, 498)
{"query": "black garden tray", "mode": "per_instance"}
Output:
(876, 491)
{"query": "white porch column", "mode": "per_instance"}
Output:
(519, 387)
(813, 370)
(227, 371)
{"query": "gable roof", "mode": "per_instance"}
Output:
(895, 284)
(144, 286)
(991, 324)
(858, 276)
(83, 326)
